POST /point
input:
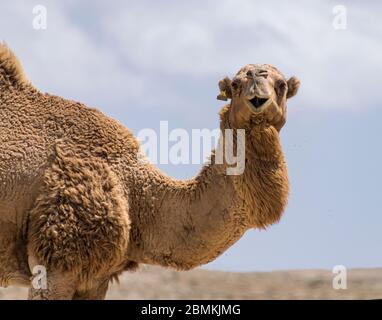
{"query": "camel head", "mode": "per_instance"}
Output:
(258, 91)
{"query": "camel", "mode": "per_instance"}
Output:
(76, 199)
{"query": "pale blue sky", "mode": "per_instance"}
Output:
(141, 62)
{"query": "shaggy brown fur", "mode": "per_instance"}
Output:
(81, 208)
(75, 197)
(11, 71)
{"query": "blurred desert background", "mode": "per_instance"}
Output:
(159, 283)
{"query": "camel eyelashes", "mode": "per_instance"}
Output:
(281, 85)
(235, 83)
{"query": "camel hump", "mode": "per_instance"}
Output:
(11, 70)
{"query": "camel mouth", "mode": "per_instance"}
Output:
(259, 104)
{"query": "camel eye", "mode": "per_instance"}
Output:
(281, 87)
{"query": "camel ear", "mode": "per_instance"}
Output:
(225, 89)
(293, 85)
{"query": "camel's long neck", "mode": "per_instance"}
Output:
(188, 223)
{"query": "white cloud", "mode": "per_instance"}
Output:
(64, 59)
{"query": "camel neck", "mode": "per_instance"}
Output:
(186, 223)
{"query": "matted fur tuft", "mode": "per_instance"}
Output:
(11, 70)
(80, 221)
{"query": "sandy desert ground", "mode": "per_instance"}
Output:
(159, 283)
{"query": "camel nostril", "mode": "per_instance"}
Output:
(249, 74)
